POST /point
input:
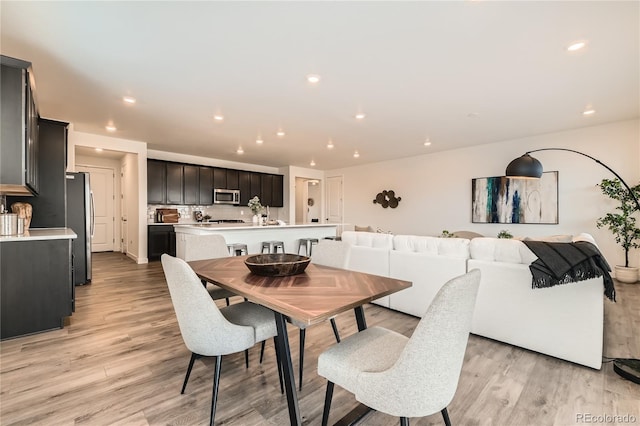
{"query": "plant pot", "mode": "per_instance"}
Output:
(626, 275)
(255, 219)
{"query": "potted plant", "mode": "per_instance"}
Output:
(622, 224)
(256, 207)
(505, 234)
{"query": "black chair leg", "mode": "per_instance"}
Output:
(404, 421)
(246, 358)
(335, 329)
(278, 361)
(262, 350)
(216, 382)
(227, 299)
(186, 377)
(302, 336)
(204, 283)
(327, 403)
(445, 416)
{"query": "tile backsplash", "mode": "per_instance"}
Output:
(216, 212)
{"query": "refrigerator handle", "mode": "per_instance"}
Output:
(93, 215)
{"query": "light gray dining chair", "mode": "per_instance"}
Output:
(401, 376)
(209, 331)
(201, 247)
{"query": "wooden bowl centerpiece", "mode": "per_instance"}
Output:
(277, 264)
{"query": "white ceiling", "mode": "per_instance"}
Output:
(460, 73)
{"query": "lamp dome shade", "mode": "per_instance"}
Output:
(525, 166)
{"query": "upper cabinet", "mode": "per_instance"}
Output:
(19, 129)
(188, 184)
(156, 182)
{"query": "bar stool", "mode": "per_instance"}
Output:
(308, 245)
(237, 249)
(272, 246)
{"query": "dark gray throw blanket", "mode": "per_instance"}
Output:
(561, 263)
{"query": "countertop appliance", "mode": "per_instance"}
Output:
(167, 216)
(80, 218)
(226, 196)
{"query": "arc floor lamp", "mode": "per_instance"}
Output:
(527, 166)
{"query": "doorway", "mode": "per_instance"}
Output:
(102, 181)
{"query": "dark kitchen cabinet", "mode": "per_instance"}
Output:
(49, 207)
(35, 296)
(266, 185)
(277, 194)
(219, 178)
(19, 129)
(160, 239)
(205, 186)
(156, 182)
(178, 183)
(191, 187)
(256, 188)
(233, 179)
(244, 183)
(175, 183)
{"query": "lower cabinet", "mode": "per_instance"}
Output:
(160, 239)
(37, 287)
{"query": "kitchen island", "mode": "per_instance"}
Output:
(37, 291)
(254, 235)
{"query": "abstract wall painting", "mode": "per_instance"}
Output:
(503, 199)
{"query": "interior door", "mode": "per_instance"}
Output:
(124, 234)
(102, 186)
(334, 201)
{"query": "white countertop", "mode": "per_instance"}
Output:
(245, 226)
(35, 234)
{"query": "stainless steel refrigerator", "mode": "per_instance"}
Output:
(80, 218)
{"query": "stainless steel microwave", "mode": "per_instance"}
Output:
(226, 196)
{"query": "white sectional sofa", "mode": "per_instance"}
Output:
(564, 321)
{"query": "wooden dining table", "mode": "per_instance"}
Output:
(311, 297)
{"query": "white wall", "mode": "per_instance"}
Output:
(139, 176)
(436, 188)
(206, 161)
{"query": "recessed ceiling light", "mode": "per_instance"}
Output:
(589, 111)
(356, 154)
(129, 100)
(360, 116)
(259, 141)
(110, 128)
(575, 46)
(312, 163)
(218, 117)
(240, 151)
(427, 142)
(330, 144)
(313, 78)
(280, 133)
(98, 149)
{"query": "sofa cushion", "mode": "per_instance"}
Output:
(368, 239)
(451, 247)
(500, 250)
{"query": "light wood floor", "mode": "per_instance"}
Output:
(120, 361)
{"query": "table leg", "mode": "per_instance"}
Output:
(362, 323)
(287, 368)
